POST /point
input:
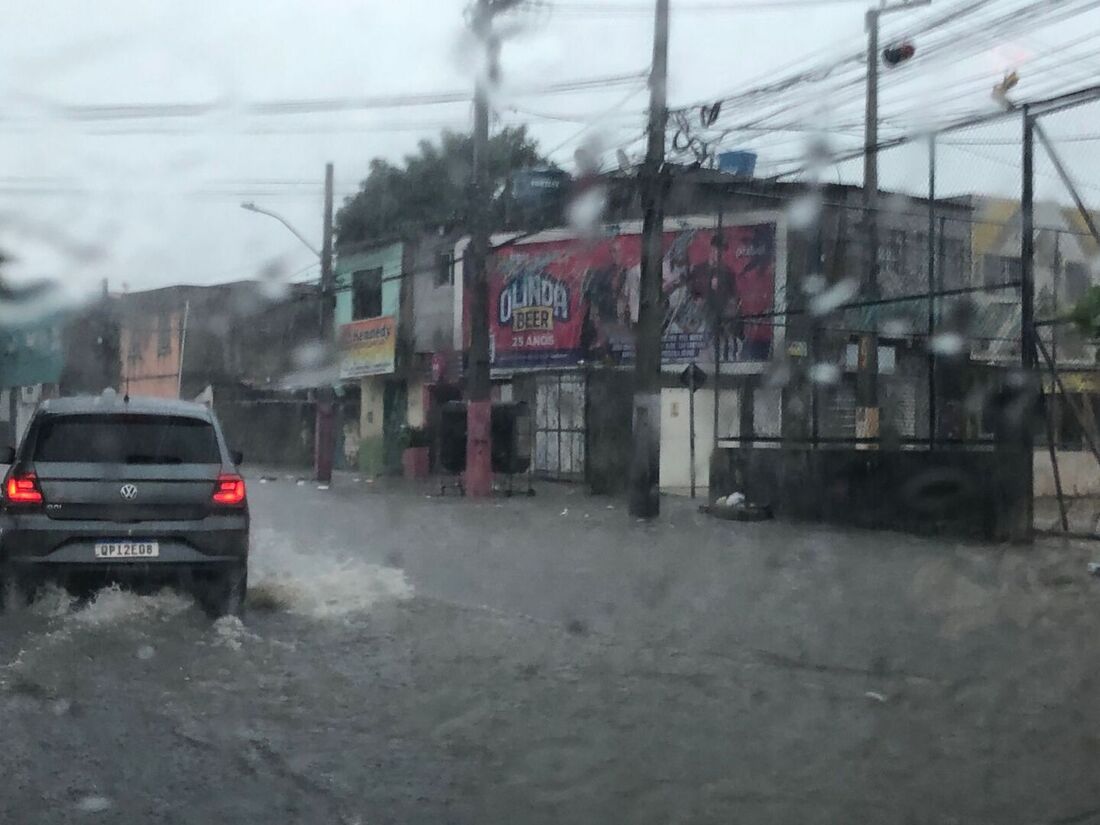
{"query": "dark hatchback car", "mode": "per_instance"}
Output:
(141, 491)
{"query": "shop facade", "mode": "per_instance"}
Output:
(368, 306)
(563, 316)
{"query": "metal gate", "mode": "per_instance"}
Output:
(560, 426)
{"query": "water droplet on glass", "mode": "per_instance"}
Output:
(274, 280)
(896, 328)
(588, 154)
(93, 804)
(804, 210)
(813, 284)
(309, 355)
(824, 373)
(840, 292)
(946, 343)
(585, 211)
(145, 652)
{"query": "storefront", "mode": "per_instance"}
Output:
(564, 315)
(368, 306)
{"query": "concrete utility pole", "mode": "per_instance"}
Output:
(479, 469)
(867, 411)
(645, 499)
(479, 466)
(324, 440)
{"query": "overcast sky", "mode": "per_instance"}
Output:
(148, 201)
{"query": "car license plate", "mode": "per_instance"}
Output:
(127, 549)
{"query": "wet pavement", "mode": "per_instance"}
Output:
(412, 659)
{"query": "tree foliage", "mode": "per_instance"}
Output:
(431, 187)
(1085, 314)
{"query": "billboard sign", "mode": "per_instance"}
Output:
(557, 303)
(368, 347)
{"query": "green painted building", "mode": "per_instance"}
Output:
(368, 307)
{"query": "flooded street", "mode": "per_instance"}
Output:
(401, 663)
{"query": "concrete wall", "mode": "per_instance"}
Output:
(433, 321)
(371, 412)
(979, 494)
(416, 402)
(1078, 469)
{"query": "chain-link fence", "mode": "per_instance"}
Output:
(936, 312)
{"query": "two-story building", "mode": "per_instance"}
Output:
(368, 282)
(1063, 269)
(234, 346)
(563, 310)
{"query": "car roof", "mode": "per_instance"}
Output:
(134, 405)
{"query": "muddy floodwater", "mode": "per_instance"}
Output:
(413, 659)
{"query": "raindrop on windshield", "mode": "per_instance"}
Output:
(840, 292)
(93, 804)
(824, 373)
(947, 343)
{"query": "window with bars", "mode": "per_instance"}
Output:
(999, 269)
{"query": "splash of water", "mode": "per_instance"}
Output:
(316, 584)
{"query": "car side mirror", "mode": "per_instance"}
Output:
(237, 456)
(7, 455)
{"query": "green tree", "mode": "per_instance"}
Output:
(431, 188)
(1085, 314)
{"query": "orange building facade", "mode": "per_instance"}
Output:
(151, 348)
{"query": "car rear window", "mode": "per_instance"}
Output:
(126, 439)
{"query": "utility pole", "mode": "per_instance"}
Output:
(1029, 338)
(479, 468)
(324, 433)
(645, 465)
(867, 410)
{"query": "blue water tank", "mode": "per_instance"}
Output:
(737, 163)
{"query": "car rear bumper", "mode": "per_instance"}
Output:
(35, 539)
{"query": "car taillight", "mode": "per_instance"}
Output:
(229, 489)
(22, 488)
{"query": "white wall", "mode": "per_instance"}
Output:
(675, 433)
(1079, 471)
(414, 402)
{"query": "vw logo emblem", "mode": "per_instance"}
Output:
(128, 492)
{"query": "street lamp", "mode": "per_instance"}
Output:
(324, 442)
(251, 207)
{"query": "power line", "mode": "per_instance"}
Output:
(983, 30)
(126, 111)
(1074, 97)
(945, 51)
(647, 10)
